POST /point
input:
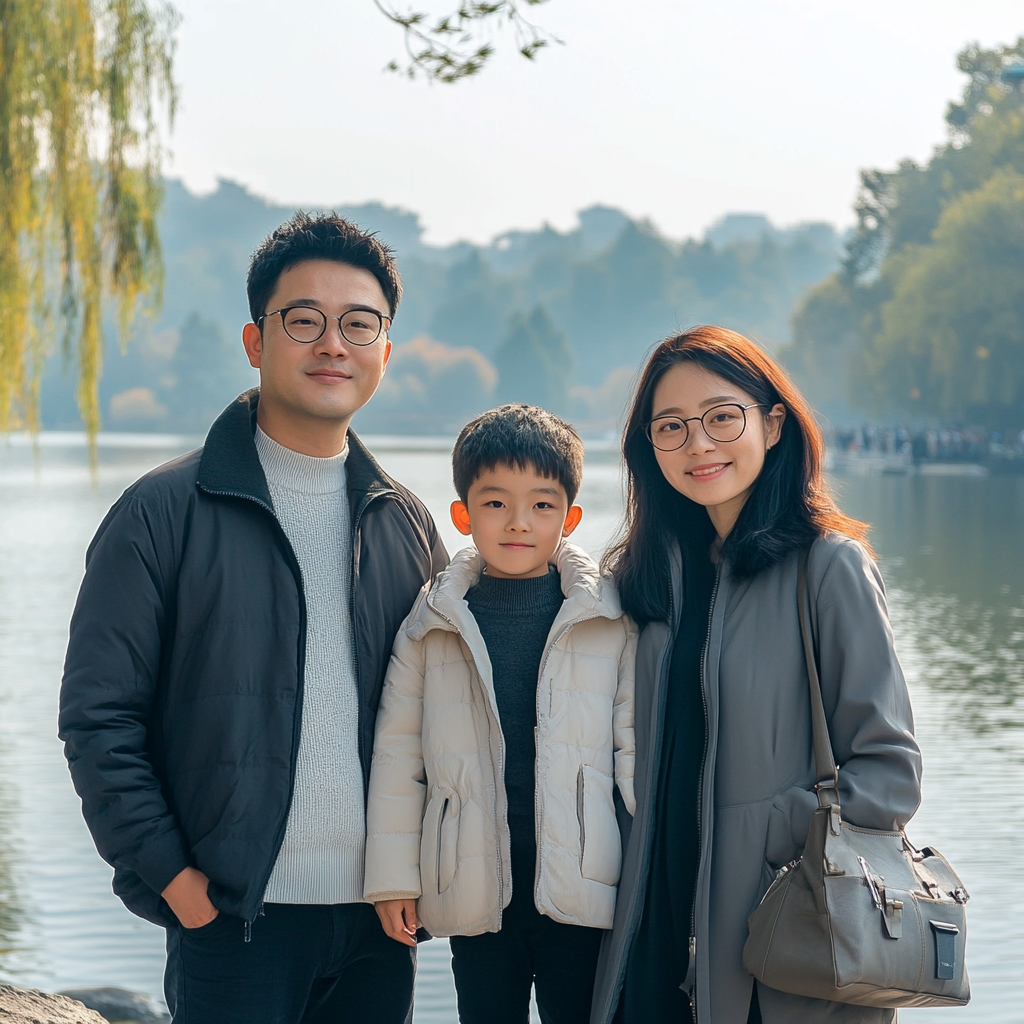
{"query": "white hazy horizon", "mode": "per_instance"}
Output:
(679, 111)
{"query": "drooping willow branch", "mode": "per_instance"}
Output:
(84, 85)
(459, 44)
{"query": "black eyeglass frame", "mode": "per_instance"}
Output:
(327, 317)
(707, 412)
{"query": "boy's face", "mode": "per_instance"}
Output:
(517, 518)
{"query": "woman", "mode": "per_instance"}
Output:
(725, 489)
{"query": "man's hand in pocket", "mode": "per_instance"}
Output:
(186, 896)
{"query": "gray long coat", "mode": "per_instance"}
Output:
(757, 787)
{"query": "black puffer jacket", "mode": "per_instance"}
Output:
(181, 704)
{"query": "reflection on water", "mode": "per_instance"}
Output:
(10, 904)
(953, 555)
(952, 552)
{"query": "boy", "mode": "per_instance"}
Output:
(506, 712)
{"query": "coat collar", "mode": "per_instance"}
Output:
(230, 463)
(587, 593)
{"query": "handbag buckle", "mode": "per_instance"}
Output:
(828, 797)
(835, 821)
(869, 877)
(891, 909)
(831, 782)
(915, 854)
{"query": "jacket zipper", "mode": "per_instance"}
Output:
(690, 981)
(300, 696)
(536, 754)
(297, 718)
(501, 760)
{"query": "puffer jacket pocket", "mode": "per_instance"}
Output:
(600, 849)
(440, 843)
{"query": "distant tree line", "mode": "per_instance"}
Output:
(925, 317)
(558, 318)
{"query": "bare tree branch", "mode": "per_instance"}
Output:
(459, 45)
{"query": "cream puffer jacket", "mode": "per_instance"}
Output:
(436, 821)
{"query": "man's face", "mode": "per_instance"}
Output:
(330, 379)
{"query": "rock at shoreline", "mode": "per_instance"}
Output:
(118, 1004)
(30, 1006)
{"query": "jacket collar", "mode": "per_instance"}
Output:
(230, 463)
(587, 593)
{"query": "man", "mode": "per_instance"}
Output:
(227, 654)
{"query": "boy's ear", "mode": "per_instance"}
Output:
(460, 517)
(572, 520)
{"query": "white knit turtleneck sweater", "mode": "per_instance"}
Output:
(321, 858)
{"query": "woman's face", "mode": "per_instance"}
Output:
(714, 473)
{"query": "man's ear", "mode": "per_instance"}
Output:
(252, 339)
(572, 520)
(460, 517)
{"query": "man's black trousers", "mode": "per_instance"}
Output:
(303, 965)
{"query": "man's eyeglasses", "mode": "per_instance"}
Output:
(305, 324)
(720, 423)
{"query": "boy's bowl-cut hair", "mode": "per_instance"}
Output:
(523, 437)
(319, 236)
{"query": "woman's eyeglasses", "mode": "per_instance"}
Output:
(721, 423)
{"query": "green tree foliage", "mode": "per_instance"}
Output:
(826, 332)
(865, 331)
(951, 338)
(534, 362)
(80, 87)
(459, 44)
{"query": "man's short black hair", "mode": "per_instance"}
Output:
(319, 236)
(523, 437)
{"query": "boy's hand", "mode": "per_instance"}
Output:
(399, 920)
(186, 896)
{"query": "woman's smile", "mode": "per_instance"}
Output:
(708, 472)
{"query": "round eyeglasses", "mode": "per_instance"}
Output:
(305, 324)
(720, 423)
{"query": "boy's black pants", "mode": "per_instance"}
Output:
(494, 972)
(304, 964)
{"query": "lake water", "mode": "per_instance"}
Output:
(952, 552)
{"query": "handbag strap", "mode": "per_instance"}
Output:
(827, 786)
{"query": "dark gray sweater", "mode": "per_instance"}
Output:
(515, 617)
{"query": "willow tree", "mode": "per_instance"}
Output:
(84, 89)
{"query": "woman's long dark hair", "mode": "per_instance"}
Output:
(789, 505)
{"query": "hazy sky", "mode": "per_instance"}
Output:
(677, 110)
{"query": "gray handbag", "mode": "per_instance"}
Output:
(863, 916)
